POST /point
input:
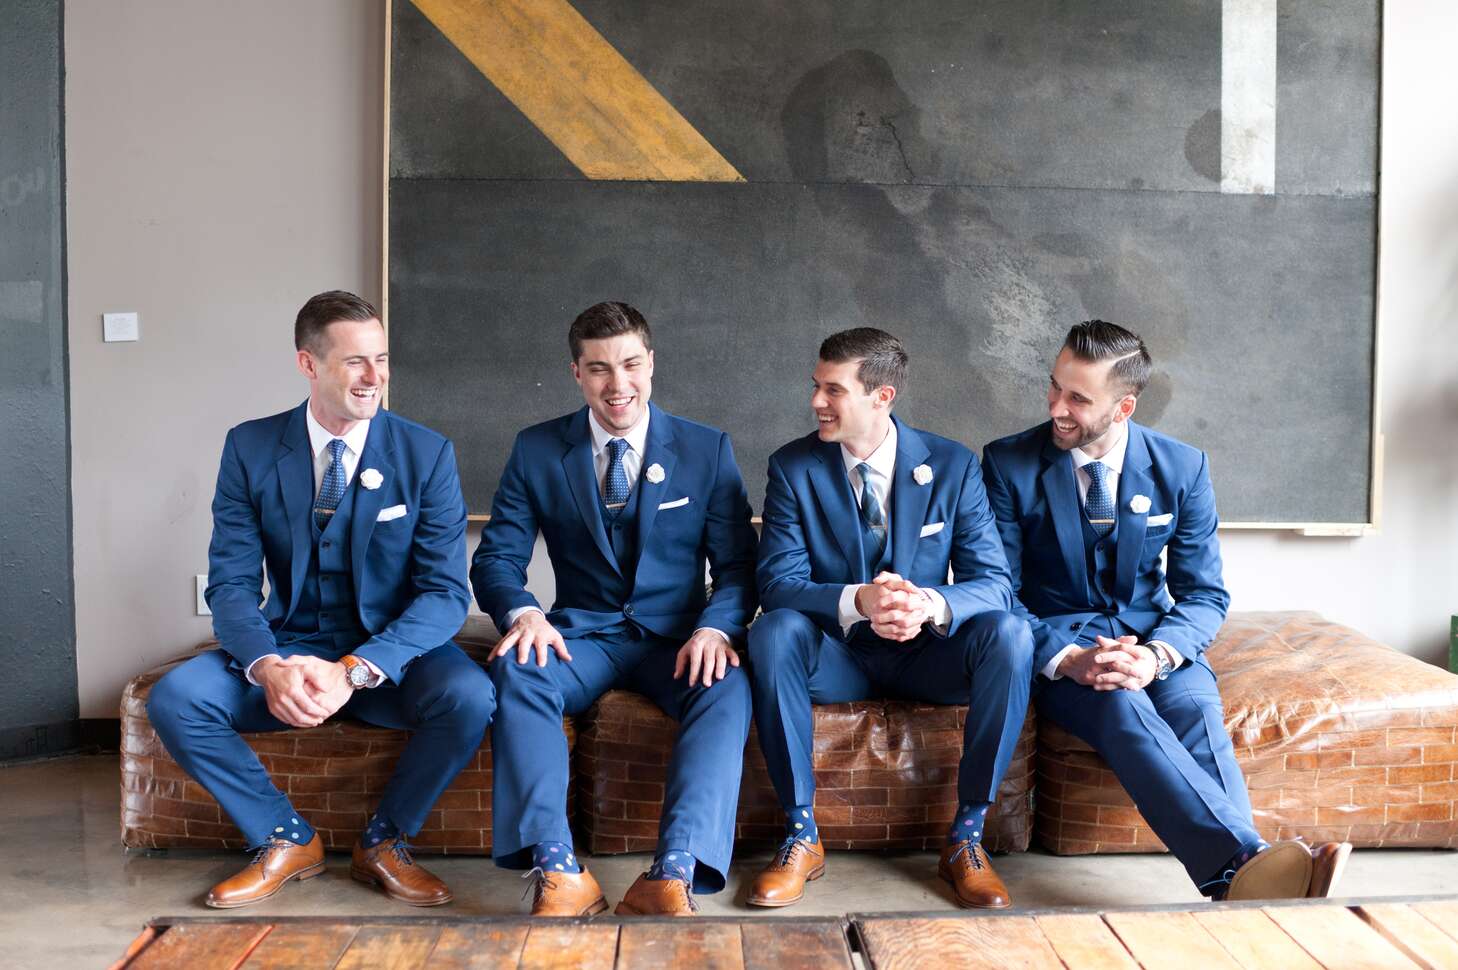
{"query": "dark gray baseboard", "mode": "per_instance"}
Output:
(82, 735)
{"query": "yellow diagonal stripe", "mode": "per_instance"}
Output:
(573, 85)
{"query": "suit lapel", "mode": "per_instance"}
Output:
(1133, 480)
(582, 479)
(1061, 493)
(656, 450)
(832, 491)
(378, 454)
(295, 466)
(909, 500)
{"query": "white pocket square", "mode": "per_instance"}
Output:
(674, 504)
(393, 512)
(1162, 519)
(932, 528)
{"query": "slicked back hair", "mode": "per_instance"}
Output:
(321, 310)
(1095, 341)
(603, 320)
(883, 359)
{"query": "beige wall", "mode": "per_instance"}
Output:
(223, 164)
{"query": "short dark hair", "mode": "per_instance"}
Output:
(883, 359)
(323, 309)
(603, 320)
(1096, 341)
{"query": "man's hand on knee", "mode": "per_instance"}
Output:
(328, 682)
(1104, 666)
(286, 687)
(706, 653)
(532, 633)
(1131, 662)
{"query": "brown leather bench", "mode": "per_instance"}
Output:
(1339, 736)
(334, 772)
(885, 775)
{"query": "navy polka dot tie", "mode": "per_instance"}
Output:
(615, 484)
(331, 490)
(1099, 505)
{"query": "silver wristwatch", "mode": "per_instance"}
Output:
(1162, 666)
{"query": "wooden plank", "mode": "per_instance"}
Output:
(1085, 940)
(1338, 938)
(551, 945)
(1254, 941)
(478, 947)
(680, 943)
(201, 946)
(798, 945)
(389, 948)
(958, 941)
(1423, 942)
(1443, 915)
(143, 940)
(1170, 941)
(302, 945)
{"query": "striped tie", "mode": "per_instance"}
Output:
(873, 521)
(331, 490)
(1099, 505)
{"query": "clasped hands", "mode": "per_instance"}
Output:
(706, 657)
(1124, 663)
(896, 607)
(302, 691)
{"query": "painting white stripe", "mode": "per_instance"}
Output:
(1248, 96)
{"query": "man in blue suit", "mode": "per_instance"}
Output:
(631, 501)
(863, 519)
(1086, 502)
(357, 516)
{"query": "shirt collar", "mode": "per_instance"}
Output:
(319, 438)
(882, 460)
(637, 436)
(1114, 460)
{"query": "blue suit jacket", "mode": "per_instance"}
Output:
(811, 546)
(1031, 486)
(409, 581)
(549, 484)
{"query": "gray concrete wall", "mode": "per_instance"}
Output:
(37, 620)
(231, 168)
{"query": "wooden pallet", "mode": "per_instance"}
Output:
(1390, 934)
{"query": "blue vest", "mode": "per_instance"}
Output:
(1100, 554)
(623, 535)
(326, 598)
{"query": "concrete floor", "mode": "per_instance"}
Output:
(71, 897)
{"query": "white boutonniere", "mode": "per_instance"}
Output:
(921, 474)
(371, 478)
(655, 473)
(1139, 504)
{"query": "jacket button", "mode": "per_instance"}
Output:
(1075, 626)
(628, 610)
(324, 544)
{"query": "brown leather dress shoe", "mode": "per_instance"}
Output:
(782, 882)
(974, 883)
(274, 863)
(1328, 859)
(390, 866)
(565, 893)
(1281, 872)
(657, 897)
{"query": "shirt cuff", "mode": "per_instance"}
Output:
(849, 615)
(718, 631)
(517, 614)
(1174, 657)
(1051, 669)
(248, 673)
(940, 614)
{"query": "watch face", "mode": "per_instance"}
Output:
(359, 675)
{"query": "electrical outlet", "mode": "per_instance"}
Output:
(120, 327)
(201, 579)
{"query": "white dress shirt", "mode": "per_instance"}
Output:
(1113, 462)
(354, 442)
(637, 439)
(882, 463)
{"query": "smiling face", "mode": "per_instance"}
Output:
(846, 412)
(1085, 405)
(616, 377)
(347, 371)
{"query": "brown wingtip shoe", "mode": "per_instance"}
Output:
(274, 863)
(390, 866)
(565, 893)
(1328, 859)
(974, 883)
(657, 897)
(782, 882)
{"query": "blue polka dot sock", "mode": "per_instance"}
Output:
(968, 825)
(555, 857)
(800, 824)
(1216, 886)
(294, 829)
(380, 829)
(673, 864)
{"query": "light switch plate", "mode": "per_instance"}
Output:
(120, 326)
(201, 579)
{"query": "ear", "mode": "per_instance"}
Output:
(885, 394)
(308, 366)
(576, 374)
(1127, 404)
(650, 363)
